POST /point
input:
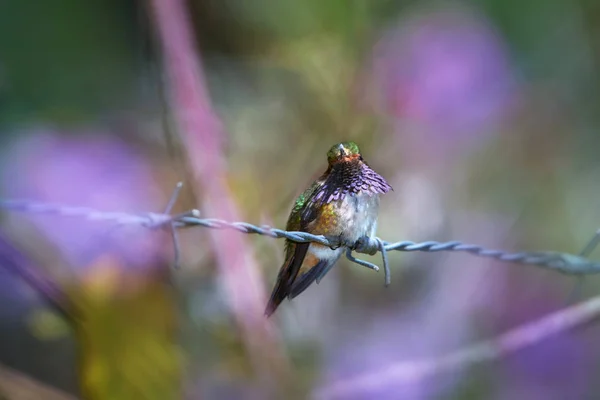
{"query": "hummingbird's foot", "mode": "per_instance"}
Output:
(336, 239)
(366, 245)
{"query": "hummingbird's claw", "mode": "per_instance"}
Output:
(367, 245)
(336, 239)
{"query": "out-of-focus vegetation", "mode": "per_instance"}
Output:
(483, 116)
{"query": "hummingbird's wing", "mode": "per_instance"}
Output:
(314, 273)
(295, 253)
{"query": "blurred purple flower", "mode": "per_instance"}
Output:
(447, 71)
(90, 170)
(560, 368)
(556, 369)
(435, 324)
(387, 349)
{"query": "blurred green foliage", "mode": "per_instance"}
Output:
(67, 61)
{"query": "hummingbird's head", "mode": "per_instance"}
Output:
(343, 152)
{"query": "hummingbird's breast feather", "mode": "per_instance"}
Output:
(350, 218)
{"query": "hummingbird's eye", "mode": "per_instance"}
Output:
(360, 158)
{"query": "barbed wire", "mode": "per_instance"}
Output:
(397, 373)
(562, 262)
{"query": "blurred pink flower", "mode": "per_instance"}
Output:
(447, 70)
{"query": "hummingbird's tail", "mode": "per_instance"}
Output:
(280, 292)
(286, 277)
(285, 289)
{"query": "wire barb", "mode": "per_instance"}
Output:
(358, 261)
(386, 265)
(172, 227)
(173, 198)
(587, 250)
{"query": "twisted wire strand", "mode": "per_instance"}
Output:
(561, 262)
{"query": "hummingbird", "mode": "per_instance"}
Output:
(343, 203)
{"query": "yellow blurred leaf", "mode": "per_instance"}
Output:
(47, 325)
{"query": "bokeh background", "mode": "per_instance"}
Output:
(482, 115)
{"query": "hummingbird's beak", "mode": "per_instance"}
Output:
(340, 148)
